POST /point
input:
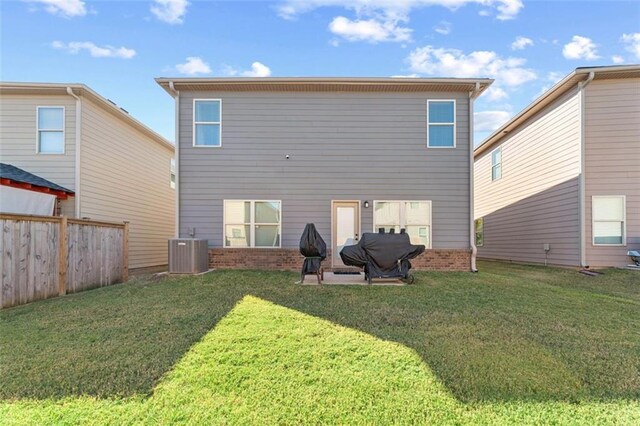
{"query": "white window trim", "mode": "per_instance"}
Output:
(455, 125)
(403, 214)
(624, 221)
(64, 131)
(219, 123)
(252, 223)
(493, 166)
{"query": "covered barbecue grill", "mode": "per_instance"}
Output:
(314, 250)
(383, 255)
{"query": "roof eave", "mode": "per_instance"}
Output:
(348, 82)
(96, 97)
(561, 87)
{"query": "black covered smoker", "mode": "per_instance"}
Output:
(383, 255)
(314, 250)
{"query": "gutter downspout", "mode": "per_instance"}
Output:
(472, 235)
(176, 96)
(581, 181)
(77, 147)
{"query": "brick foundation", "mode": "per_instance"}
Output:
(290, 259)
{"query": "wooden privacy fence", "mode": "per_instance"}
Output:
(48, 256)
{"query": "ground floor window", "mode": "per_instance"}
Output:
(252, 223)
(414, 216)
(608, 217)
(479, 226)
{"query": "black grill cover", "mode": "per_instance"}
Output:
(313, 248)
(379, 254)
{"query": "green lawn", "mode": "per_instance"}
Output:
(511, 344)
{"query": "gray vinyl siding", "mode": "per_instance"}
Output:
(18, 140)
(612, 160)
(536, 201)
(342, 146)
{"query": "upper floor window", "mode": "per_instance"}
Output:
(50, 130)
(496, 164)
(173, 173)
(608, 217)
(207, 122)
(441, 124)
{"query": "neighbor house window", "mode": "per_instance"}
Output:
(441, 124)
(50, 130)
(608, 217)
(496, 164)
(413, 216)
(479, 225)
(207, 122)
(252, 223)
(173, 173)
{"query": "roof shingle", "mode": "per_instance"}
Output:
(7, 171)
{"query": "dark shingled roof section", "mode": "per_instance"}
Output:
(7, 171)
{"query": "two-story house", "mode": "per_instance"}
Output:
(116, 168)
(258, 158)
(560, 182)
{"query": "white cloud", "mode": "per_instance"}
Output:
(443, 28)
(371, 30)
(632, 43)
(521, 42)
(75, 47)
(454, 63)
(194, 66)
(554, 76)
(381, 20)
(170, 11)
(258, 69)
(617, 59)
(405, 76)
(489, 121)
(290, 9)
(581, 48)
(551, 79)
(495, 93)
(507, 9)
(65, 8)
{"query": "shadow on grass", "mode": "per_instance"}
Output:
(507, 334)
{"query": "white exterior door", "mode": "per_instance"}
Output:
(345, 229)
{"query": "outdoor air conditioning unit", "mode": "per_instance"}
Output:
(188, 256)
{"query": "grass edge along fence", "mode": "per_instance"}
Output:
(48, 256)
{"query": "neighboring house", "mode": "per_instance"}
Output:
(258, 158)
(119, 169)
(22, 192)
(560, 182)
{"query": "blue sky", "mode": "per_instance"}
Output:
(118, 47)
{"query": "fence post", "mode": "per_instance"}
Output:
(62, 256)
(125, 253)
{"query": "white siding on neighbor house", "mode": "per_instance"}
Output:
(535, 202)
(612, 136)
(18, 140)
(342, 146)
(125, 176)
